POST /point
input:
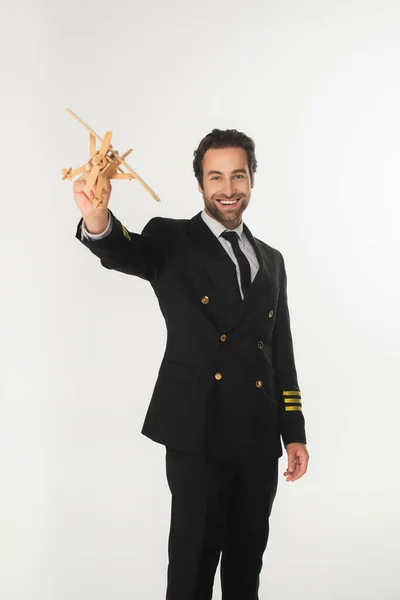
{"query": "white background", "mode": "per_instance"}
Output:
(84, 502)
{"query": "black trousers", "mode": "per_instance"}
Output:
(219, 509)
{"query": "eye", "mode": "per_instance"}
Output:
(215, 177)
(238, 175)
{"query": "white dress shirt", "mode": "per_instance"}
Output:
(244, 244)
(216, 228)
(97, 236)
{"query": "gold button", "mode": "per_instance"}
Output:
(218, 376)
(271, 312)
(223, 337)
(260, 345)
(259, 383)
(205, 299)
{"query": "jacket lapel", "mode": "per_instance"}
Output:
(263, 288)
(220, 267)
(228, 308)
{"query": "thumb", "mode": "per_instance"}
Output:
(107, 185)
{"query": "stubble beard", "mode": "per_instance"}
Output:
(227, 217)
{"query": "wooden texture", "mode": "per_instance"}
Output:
(104, 163)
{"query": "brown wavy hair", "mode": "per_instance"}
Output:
(224, 138)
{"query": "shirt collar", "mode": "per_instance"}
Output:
(217, 228)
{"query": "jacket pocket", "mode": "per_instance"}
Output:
(172, 371)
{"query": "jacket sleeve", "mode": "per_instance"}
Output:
(292, 422)
(128, 252)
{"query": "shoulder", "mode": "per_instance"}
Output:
(165, 224)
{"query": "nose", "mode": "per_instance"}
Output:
(228, 188)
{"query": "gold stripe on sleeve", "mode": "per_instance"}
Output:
(292, 400)
(125, 232)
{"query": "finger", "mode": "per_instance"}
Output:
(290, 476)
(302, 467)
(291, 462)
(80, 183)
(291, 473)
(83, 177)
(290, 469)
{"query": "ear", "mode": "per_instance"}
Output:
(199, 188)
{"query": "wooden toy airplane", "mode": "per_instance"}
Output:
(103, 164)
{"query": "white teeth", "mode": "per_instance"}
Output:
(228, 201)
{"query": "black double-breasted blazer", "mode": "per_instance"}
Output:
(227, 384)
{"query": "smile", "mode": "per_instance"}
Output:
(228, 202)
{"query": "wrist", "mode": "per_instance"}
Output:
(96, 224)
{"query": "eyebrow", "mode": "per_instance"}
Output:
(220, 173)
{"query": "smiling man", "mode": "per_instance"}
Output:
(227, 391)
(226, 192)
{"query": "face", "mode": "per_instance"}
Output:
(226, 185)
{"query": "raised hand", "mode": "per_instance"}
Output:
(95, 217)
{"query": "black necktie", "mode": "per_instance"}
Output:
(244, 265)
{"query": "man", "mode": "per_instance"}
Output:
(227, 387)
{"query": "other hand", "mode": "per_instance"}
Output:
(298, 458)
